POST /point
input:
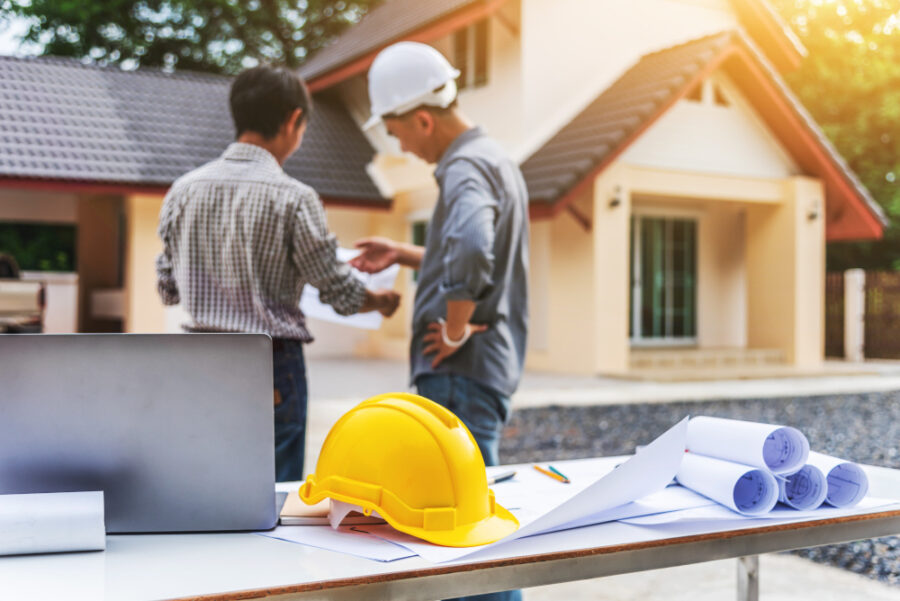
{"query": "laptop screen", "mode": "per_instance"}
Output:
(176, 429)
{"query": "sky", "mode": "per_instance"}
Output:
(9, 38)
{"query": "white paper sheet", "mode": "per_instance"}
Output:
(712, 514)
(743, 488)
(646, 472)
(781, 449)
(52, 523)
(847, 482)
(803, 490)
(314, 308)
(352, 540)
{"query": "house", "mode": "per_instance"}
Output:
(681, 197)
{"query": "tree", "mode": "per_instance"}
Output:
(221, 36)
(850, 83)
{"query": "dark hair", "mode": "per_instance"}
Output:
(262, 98)
(8, 267)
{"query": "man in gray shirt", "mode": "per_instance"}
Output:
(471, 309)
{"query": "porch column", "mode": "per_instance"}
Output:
(98, 256)
(611, 230)
(786, 274)
(144, 311)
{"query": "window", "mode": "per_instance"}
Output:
(470, 54)
(663, 279)
(39, 247)
(708, 92)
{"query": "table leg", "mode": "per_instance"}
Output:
(748, 578)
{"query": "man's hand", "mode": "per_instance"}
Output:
(441, 344)
(383, 301)
(377, 254)
(390, 300)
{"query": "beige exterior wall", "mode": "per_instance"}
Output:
(722, 277)
(562, 295)
(144, 311)
(786, 271)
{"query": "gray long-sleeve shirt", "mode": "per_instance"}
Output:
(476, 248)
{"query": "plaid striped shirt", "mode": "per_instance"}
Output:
(240, 240)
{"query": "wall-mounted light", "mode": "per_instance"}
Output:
(616, 199)
(813, 213)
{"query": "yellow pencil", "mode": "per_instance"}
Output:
(551, 474)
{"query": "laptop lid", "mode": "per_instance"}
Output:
(176, 429)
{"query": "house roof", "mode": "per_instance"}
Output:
(389, 21)
(353, 51)
(593, 139)
(63, 121)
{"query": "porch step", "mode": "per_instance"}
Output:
(712, 358)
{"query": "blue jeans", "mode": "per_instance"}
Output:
(483, 411)
(290, 408)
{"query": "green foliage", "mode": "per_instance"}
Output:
(850, 82)
(221, 36)
(38, 247)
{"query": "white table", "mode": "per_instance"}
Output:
(248, 566)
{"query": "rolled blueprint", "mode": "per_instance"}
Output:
(743, 488)
(52, 523)
(847, 482)
(803, 490)
(780, 449)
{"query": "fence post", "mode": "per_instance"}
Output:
(854, 314)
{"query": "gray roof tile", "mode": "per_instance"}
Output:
(63, 120)
(382, 25)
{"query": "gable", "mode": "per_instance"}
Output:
(714, 130)
(561, 169)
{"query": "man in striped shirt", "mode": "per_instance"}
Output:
(241, 239)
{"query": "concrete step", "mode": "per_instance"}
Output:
(707, 358)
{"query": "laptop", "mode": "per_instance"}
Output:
(175, 429)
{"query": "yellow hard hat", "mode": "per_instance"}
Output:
(417, 465)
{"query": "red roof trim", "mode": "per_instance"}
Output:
(81, 187)
(843, 190)
(788, 56)
(447, 25)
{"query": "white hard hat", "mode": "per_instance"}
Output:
(407, 75)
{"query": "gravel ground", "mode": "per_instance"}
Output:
(861, 427)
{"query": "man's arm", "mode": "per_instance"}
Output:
(166, 285)
(314, 252)
(380, 253)
(468, 259)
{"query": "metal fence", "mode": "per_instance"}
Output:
(882, 335)
(882, 315)
(834, 314)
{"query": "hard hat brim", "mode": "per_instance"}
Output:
(489, 530)
(373, 121)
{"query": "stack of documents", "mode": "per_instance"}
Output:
(749, 467)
